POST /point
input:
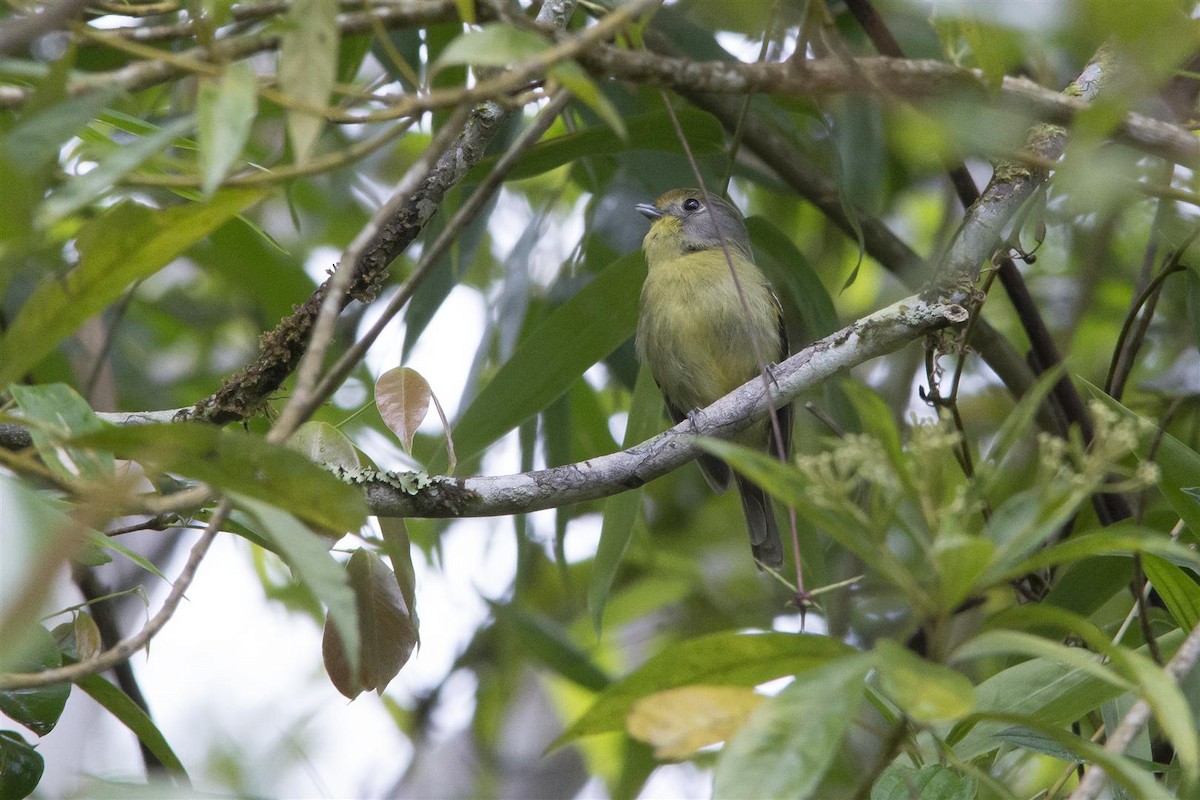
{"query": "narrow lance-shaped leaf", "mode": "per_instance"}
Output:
(308, 54)
(496, 44)
(308, 557)
(398, 546)
(577, 82)
(225, 109)
(243, 463)
(577, 334)
(1180, 593)
(541, 639)
(133, 717)
(621, 511)
(90, 186)
(126, 243)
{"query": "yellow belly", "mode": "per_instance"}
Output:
(694, 333)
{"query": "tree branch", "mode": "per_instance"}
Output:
(283, 347)
(868, 338)
(914, 79)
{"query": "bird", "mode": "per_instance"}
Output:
(700, 342)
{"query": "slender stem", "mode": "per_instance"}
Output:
(305, 398)
(127, 647)
(1135, 719)
(429, 258)
(1122, 362)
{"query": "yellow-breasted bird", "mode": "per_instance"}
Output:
(698, 341)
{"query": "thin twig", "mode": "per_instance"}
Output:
(1135, 719)
(429, 258)
(127, 647)
(304, 399)
(1128, 341)
(877, 334)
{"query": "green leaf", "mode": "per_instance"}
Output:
(878, 422)
(959, 562)
(308, 56)
(398, 546)
(1120, 539)
(1044, 737)
(719, 659)
(225, 109)
(92, 185)
(131, 715)
(924, 691)
(20, 766)
(321, 443)
(28, 153)
(1007, 643)
(1179, 593)
(1192, 288)
(792, 276)
(931, 782)
(39, 708)
(652, 131)
(125, 244)
(1019, 422)
(99, 540)
(577, 82)
(785, 482)
(240, 462)
(1040, 689)
(577, 334)
(541, 639)
(1153, 683)
(309, 559)
(496, 44)
(791, 739)
(387, 633)
(57, 413)
(1178, 465)
(621, 511)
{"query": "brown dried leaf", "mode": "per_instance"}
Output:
(402, 397)
(388, 633)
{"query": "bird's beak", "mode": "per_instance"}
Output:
(648, 211)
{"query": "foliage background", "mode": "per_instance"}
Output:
(171, 197)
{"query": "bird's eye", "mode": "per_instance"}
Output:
(691, 204)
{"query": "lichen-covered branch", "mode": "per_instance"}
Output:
(282, 348)
(913, 79)
(868, 338)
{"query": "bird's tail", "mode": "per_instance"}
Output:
(760, 520)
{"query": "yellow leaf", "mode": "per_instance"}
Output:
(678, 722)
